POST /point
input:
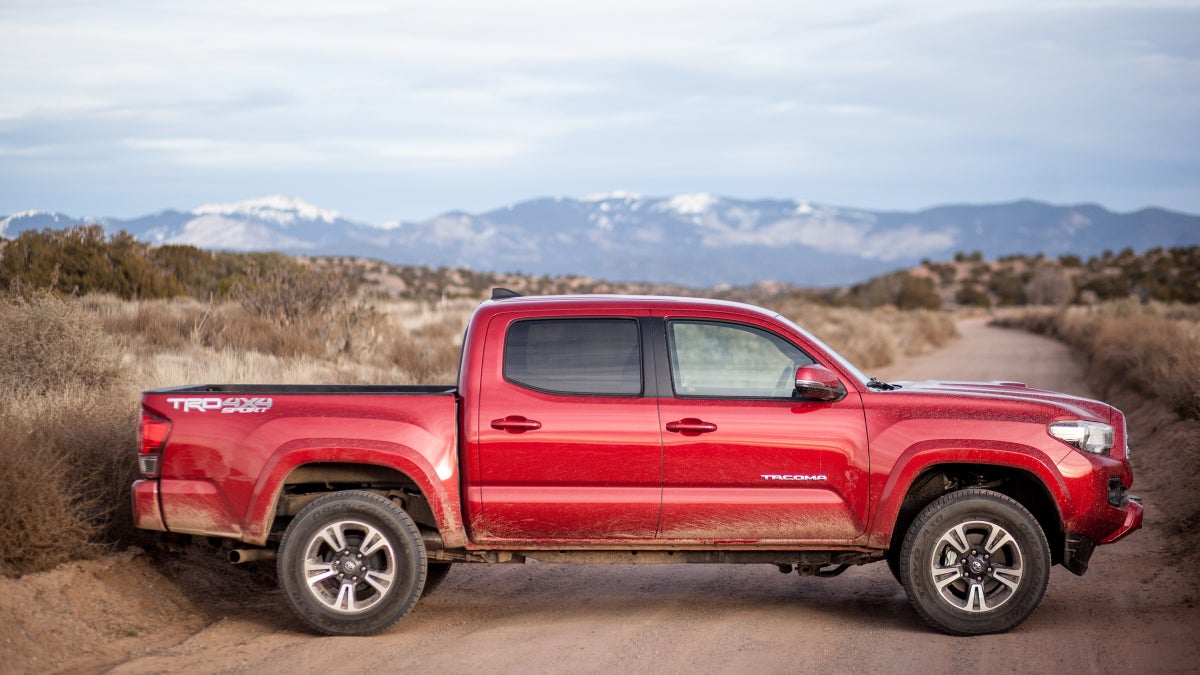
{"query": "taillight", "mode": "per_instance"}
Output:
(152, 436)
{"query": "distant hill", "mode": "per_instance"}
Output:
(87, 260)
(1167, 275)
(698, 240)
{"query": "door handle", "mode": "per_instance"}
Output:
(516, 424)
(691, 426)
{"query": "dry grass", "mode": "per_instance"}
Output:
(42, 521)
(1152, 347)
(874, 338)
(50, 343)
(66, 432)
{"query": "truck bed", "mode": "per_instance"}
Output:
(232, 448)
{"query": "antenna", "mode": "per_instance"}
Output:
(503, 293)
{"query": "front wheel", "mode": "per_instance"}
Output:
(975, 562)
(351, 563)
(437, 573)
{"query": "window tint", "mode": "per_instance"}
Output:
(575, 356)
(726, 360)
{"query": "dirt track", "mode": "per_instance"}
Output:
(1134, 611)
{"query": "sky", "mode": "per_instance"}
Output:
(389, 111)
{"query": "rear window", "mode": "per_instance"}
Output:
(601, 357)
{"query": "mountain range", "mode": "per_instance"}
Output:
(699, 240)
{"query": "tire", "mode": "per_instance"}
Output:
(434, 577)
(351, 563)
(975, 562)
(893, 562)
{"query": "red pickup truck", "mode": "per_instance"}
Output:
(612, 429)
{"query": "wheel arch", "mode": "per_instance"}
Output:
(1022, 485)
(308, 482)
(297, 476)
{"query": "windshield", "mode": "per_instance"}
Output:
(846, 365)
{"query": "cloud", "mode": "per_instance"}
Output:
(216, 153)
(865, 102)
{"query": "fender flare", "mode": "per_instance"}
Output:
(441, 492)
(920, 457)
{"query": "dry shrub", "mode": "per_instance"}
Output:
(68, 417)
(67, 435)
(871, 338)
(42, 520)
(159, 324)
(1157, 355)
(866, 345)
(1152, 347)
(422, 340)
(156, 325)
(232, 327)
(286, 292)
(425, 361)
(49, 343)
(358, 332)
(926, 331)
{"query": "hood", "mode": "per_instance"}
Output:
(1011, 392)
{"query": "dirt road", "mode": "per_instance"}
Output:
(1134, 611)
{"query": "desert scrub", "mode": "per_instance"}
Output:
(67, 431)
(50, 343)
(1152, 347)
(871, 338)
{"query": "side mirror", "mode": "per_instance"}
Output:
(819, 383)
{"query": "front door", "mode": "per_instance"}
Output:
(744, 459)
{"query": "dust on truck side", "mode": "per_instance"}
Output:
(641, 429)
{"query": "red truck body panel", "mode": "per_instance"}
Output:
(507, 466)
(222, 472)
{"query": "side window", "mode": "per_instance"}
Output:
(726, 360)
(575, 356)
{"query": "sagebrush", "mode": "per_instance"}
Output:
(66, 430)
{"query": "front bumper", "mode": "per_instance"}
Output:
(1078, 548)
(1133, 520)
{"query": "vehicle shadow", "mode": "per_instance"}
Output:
(496, 594)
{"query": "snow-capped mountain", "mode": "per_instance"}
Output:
(263, 223)
(695, 239)
(706, 240)
(279, 209)
(698, 239)
(11, 226)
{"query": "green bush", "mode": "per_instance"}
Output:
(83, 260)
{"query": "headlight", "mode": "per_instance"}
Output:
(1093, 437)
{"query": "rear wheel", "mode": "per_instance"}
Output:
(975, 562)
(351, 563)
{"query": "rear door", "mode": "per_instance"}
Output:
(744, 458)
(569, 446)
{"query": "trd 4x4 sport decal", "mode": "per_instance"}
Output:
(225, 405)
